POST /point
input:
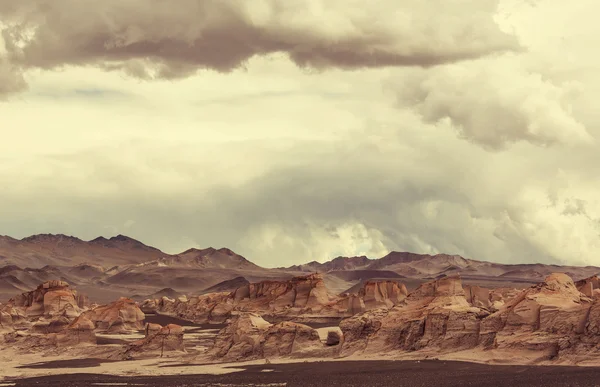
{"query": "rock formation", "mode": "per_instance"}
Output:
(50, 298)
(159, 340)
(546, 321)
(302, 298)
(121, 316)
(248, 336)
(377, 294)
(80, 331)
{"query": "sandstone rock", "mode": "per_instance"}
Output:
(478, 296)
(149, 306)
(50, 298)
(121, 316)
(80, 331)
(302, 298)
(377, 294)
(248, 336)
(588, 286)
(241, 338)
(435, 315)
(159, 340)
(288, 338)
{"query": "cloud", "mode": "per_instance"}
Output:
(494, 102)
(11, 79)
(157, 39)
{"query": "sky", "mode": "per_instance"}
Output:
(300, 130)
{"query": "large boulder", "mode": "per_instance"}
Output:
(121, 316)
(49, 299)
(240, 339)
(248, 336)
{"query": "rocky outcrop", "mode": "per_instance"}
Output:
(50, 298)
(248, 336)
(121, 316)
(305, 298)
(542, 318)
(379, 294)
(553, 319)
(589, 286)
(436, 314)
(159, 340)
(80, 331)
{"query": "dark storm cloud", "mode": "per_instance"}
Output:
(160, 39)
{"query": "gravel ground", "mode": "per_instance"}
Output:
(350, 374)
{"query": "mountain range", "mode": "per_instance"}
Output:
(105, 268)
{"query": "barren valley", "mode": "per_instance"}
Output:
(123, 308)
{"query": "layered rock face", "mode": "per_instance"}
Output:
(121, 316)
(305, 297)
(249, 336)
(378, 294)
(551, 319)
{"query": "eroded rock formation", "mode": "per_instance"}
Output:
(249, 336)
(551, 319)
(158, 341)
(121, 316)
(50, 298)
(304, 298)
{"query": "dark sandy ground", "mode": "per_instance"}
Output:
(351, 374)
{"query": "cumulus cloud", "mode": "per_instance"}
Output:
(158, 39)
(494, 103)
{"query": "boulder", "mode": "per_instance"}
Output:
(249, 336)
(50, 298)
(333, 338)
(121, 317)
(240, 339)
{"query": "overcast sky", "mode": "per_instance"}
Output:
(301, 130)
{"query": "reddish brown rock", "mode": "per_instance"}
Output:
(382, 294)
(302, 298)
(121, 316)
(80, 331)
(159, 341)
(50, 298)
(248, 336)
(435, 315)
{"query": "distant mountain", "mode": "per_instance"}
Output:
(212, 258)
(62, 250)
(425, 266)
(339, 263)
